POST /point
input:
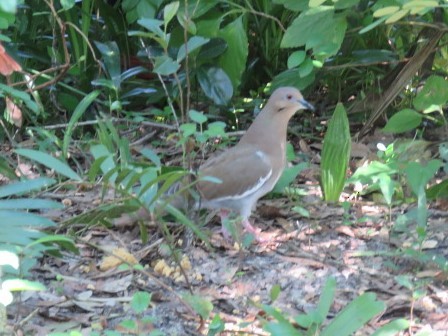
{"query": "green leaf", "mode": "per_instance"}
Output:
(29, 203)
(15, 285)
(275, 292)
(214, 48)
(188, 129)
(306, 68)
(15, 218)
(373, 25)
(23, 187)
(8, 6)
(292, 77)
(296, 58)
(403, 121)
(111, 59)
(165, 65)
(199, 304)
(288, 176)
(216, 84)
(318, 29)
(435, 92)
(140, 302)
(335, 155)
(216, 326)
(153, 26)
(316, 3)
(397, 16)
(419, 175)
(386, 11)
(193, 43)
(387, 186)
(367, 173)
(354, 316)
(294, 5)
(326, 299)
(49, 161)
(67, 4)
(234, 59)
(420, 3)
(77, 114)
(392, 328)
(169, 11)
(197, 117)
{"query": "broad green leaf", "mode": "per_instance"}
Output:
(418, 175)
(216, 84)
(386, 11)
(169, 11)
(140, 302)
(165, 65)
(15, 218)
(188, 129)
(67, 4)
(50, 162)
(111, 59)
(77, 114)
(343, 4)
(233, 60)
(306, 68)
(354, 315)
(153, 26)
(216, 129)
(288, 176)
(373, 25)
(366, 174)
(326, 299)
(438, 191)
(15, 285)
(292, 77)
(275, 292)
(213, 48)
(294, 5)
(296, 58)
(193, 43)
(281, 328)
(403, 121)
(397, 16)
(29, 203)
(319, 29)
(335, 155)
(151, 155)
(387, 186)
(8, 6)
(197, 117)
(316, 3)
(200, 305)
(420, 3)
(434, 92)
(23, 187)
(392, 328)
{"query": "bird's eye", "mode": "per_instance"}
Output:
(289, 97)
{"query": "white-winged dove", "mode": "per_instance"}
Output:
(251, 169)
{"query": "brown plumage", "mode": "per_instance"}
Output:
(250, 170)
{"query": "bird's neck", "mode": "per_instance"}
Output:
(271, 129)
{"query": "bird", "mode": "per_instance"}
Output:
(246, 172)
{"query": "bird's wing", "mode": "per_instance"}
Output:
(241, 170)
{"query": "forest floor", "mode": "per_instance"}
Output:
(357, 247)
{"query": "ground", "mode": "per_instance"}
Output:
(359, 247)
(301, 255)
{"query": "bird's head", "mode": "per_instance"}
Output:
(289, 100)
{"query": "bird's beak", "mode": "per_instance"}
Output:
(306, 105)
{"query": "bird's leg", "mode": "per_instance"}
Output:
(224, 215)
(251, 229)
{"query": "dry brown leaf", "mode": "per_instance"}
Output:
(120, 255)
